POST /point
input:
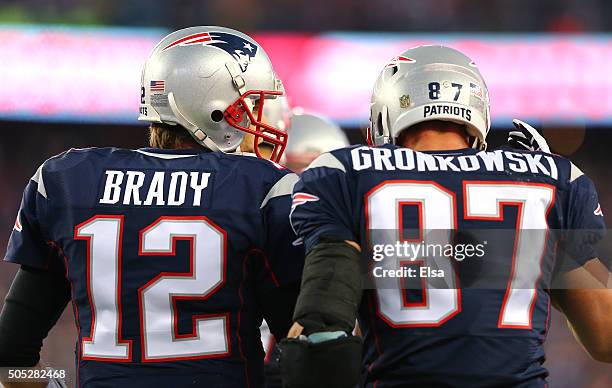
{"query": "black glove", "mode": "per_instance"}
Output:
(527, 138)
(334, 363)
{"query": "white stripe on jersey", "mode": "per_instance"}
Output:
(283, 186)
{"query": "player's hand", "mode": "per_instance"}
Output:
(527, 138)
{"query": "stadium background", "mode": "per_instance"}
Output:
(69, 77)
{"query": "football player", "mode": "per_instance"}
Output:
(171, 255)
(476, 321)
(278, 113)
(311, 135)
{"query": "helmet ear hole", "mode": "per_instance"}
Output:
(216, 116)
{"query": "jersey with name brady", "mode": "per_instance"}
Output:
(459, 333)
(167, 252)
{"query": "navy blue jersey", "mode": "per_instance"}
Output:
(475, 312)
(167, 253)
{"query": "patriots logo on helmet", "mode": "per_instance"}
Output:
(239, 48)
(400, 59)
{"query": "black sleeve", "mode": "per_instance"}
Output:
(277, 307)
(33, 305)
(331, 288)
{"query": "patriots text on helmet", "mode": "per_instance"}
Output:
(440, 109)
(385, 159)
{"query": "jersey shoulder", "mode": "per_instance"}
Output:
(74, 157)
(112, 155)
(262, 180)
(567, 172)
(249, 163)
(339, 159)
(253, 171)
(77, 162)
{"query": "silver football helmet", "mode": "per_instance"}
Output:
(214, 82)
(310, 135)
(429, 83)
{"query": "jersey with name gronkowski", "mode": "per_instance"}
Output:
(459, 250)
(167, 252)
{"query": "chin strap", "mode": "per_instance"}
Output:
(238, 81)
(386, 131)
(196, 132)
(477, 144)
(240, 85)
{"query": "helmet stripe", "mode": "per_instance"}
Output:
(190, 39)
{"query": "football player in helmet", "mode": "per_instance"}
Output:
(278, 113)
(170, 255)
(456, 321)
(310, 136)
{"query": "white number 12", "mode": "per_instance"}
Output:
(160, 340)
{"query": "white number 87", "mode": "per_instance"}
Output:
(483, 200)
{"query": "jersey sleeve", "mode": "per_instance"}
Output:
(585, 225)
(283, 255)
(28, 244)
(322, 202)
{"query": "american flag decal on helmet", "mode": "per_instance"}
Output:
(475, 90)
(302, 198)
(18, 226)
(158, 86)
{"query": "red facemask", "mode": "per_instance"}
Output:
(369, 140)
(234, 115)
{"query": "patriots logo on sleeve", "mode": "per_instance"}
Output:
(239, 48)
(18, 226)
(302, 198)
(598, 211)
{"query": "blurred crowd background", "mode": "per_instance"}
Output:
(25, 145)
(321, 15)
